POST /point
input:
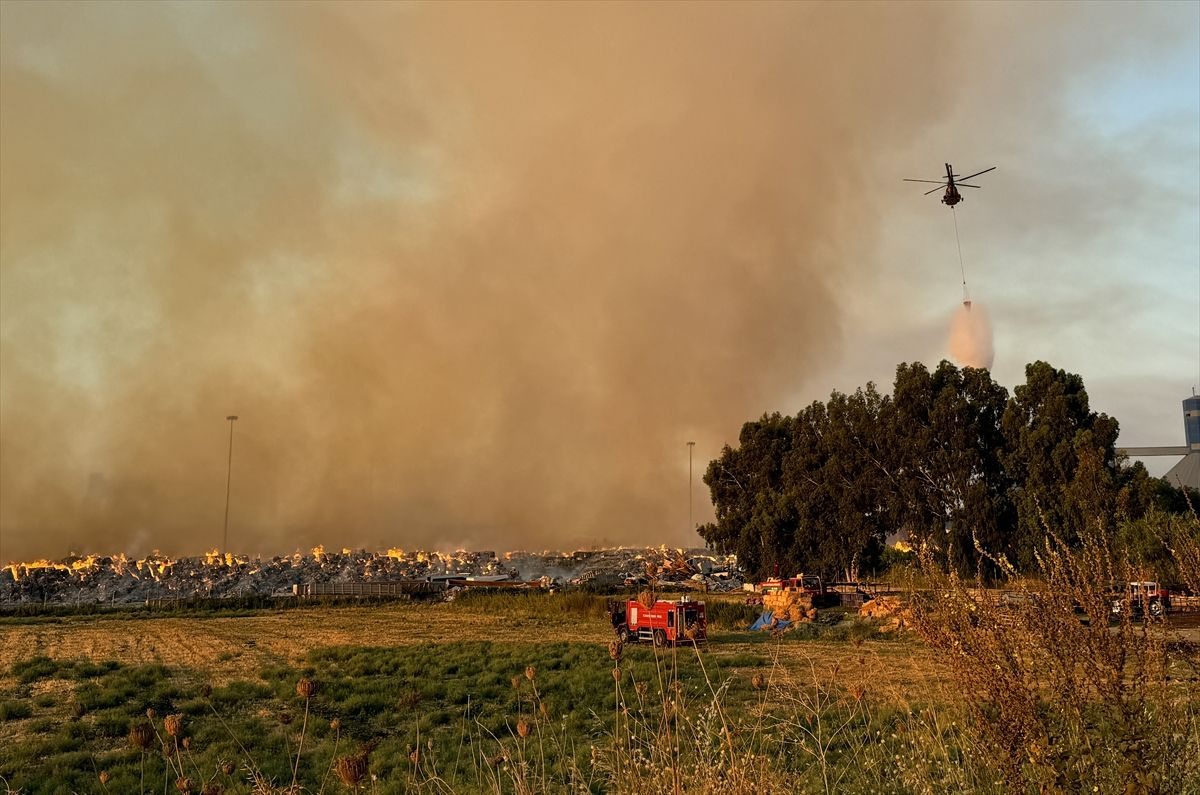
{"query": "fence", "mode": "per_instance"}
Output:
(396, 588)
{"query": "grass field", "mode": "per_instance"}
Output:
(446, 680)
(492, 693)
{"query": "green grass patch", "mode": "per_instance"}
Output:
(558, 604)
(442, 698)
(36, 668)
(15, 710)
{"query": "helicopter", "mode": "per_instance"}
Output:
(952, 196)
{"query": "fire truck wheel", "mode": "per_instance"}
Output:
(623, 634)
(1156, 609)
(660, 638)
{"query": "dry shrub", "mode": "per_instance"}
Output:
(307, 688)
(809, 728)
(141, 736)
(1181, 536)
(1064, 698)
(352, 769)
(411, 699)
(173, 724)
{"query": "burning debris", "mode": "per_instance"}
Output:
(119, 580)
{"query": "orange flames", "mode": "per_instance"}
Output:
(154, 565)
(74, 566)
(157, 566)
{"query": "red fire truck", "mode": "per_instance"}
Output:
(1140, 598)
(661, 623)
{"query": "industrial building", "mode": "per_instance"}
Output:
(1187, 471)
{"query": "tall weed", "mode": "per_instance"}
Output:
(1062, 694)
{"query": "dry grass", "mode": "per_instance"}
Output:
(239, 646)
(217, 649)
(1063, 695)
(233, 648)
(826, 715)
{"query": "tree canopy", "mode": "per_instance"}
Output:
(948, 458)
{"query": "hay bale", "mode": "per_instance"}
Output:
(900, 622)
(881, 607)
(788, 605)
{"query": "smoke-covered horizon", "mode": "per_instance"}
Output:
(470, 275)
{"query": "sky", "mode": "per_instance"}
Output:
(472, 275)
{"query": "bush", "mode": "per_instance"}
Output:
(1061, 698)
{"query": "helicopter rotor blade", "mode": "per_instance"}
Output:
(977, 173)
(930, 181)
(935, 190)
(963, 185)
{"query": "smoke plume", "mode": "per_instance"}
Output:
(468, 274)
(971, 336)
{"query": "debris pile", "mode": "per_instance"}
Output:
(120, 580)
(890, 608)
(881, 607)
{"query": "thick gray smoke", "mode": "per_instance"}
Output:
(470, 275)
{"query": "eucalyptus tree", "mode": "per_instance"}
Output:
(950, 487)
(754, 519)
(1060, 457)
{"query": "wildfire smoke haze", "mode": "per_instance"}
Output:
(470, 275)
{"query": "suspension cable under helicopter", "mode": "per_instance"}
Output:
(961, 268)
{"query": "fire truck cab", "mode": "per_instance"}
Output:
(664, 622)
(1141, 598)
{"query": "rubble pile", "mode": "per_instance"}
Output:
(120, 580)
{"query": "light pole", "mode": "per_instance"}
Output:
(228, 480)
(691, 522)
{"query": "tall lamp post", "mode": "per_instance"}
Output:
(691, 522)
(228, 480)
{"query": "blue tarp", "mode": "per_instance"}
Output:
(767, 622)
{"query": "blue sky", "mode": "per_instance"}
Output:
(1084, 243)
